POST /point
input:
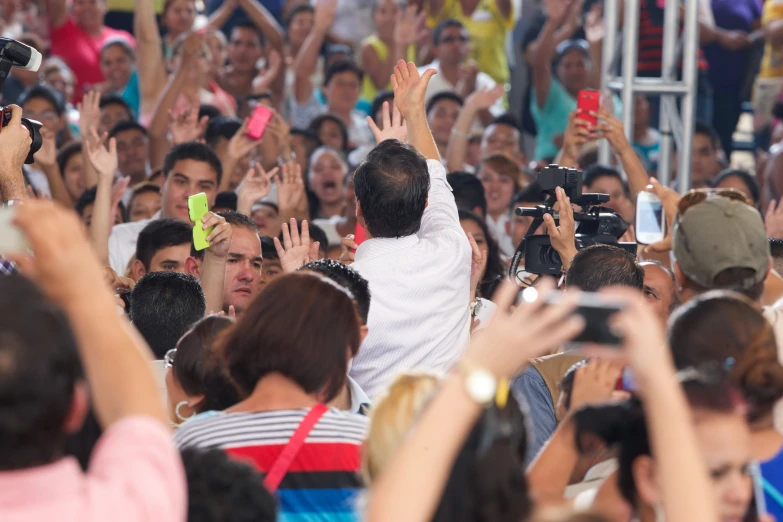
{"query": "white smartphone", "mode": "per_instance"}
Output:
(650, 219)
(11, 238)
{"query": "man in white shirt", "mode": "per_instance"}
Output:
(452, 49)
(189, 168)
(417, 258)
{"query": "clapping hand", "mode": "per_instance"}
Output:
(394, 127)
(296, 251)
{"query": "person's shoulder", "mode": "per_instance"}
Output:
(194, 431)
(126, 229)
(135, 430)
(348, 424)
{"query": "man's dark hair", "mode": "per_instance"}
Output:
(702, 128)
(250, 26)
(210, 111)
(301, 8)
(160, 234)
(341, 66)
(377, 102)
(65, 154)
(599, 266)
(233, 218)
(85, 200)
(747, 178)
(222, 488)
(349, 279)
(392, 186)
(192, 150)
(445, 24)
(39, 367)
(115, 99)
(507, 119)
(445, 95)
(593, 172)
(226, 199)
(43, 92)
(268, 250)
(126, 126)
(221, 127)
(468, 191)
(163, 306)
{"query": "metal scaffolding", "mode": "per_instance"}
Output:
(675, 127)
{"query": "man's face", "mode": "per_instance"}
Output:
(612, 186)
(342, 91)
(40, 109)
(267, 220)
(658, 290)
(144, 206)
(244, 49)
(442, 117)
(116, 66)
(111, 115)
(88, 14)
(243, 270)
(132, 154)
(499, 190)
(704, 161)
(188, 177)
(453, 47)
(170, 259)
(300, 26)
(270, 269)
(500, 139)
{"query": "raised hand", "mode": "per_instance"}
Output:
(348, 249)
(559, 10)
(563, 237)
(185, 125)
(483, 99)
(240, 145)
(291, 195)
(296, 251)
(669, 199)
(264, 79)
(279, 129)
(612, 129)
(410, 88)
(254, 186)
(478, 266)
(89, 113)
(595, 382)
(324, 14)
(595, 29)
(406, 26)
(46, 156)
(102, 160)
(220, 237)
(467, 75)
(578, 133)
(117, 284)
(394, 127)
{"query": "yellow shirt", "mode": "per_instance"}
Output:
(382, 50)
(128, 6)
(487, 28)
(772, 64)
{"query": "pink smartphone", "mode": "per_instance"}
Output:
(587, 102)
(258, 122)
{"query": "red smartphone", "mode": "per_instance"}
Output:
(258, 121)
(587, 102)
(359, 235)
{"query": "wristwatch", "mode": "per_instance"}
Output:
(282, 160)
(480, 384)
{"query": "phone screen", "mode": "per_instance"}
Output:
(649, 220)
(11, 238)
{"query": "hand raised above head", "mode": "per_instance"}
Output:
(394, 127)
(410, 88)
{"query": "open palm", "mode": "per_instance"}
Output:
(409, 87)
(102, 160)
(296, 251)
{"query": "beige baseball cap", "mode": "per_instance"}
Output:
(717, 234)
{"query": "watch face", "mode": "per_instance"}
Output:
(481, 386)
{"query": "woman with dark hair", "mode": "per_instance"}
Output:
(288, 356)
(717, 409)
(493, 272)
(197, 380)
(727, 329)
(741, 181)
(331, 131)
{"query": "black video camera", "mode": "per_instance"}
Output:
(595, 225)
(17, 54)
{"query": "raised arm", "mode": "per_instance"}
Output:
(58, 12)
(409, 90)
(213, 269)
(307, 58)
(612, 129)
(150, 67)
(14, 146)
(89, 122)
(223, 13)
(264, 21)
(542, 59)
(404, 36)
(479, 101)
(46, 159)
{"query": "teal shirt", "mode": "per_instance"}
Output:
(132, 95)
(552, 120)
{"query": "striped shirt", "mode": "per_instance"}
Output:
(649, 61)
(322, 483)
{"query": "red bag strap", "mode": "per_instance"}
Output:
(291, 450)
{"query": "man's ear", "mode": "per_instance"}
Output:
(363, 331)
(137, 270)
(360, 215)
(80, 405)
(645, 477)
(479, 212)
(193, 267)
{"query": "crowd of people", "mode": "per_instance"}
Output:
(357, 339)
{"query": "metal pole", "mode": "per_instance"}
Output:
(668, 74)
(607, 62)
(630, 50)
(689, 78)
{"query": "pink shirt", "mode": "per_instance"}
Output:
(135, 475)
(82, 52)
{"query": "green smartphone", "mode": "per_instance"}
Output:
(198, 208)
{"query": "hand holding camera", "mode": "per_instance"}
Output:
(15, 144)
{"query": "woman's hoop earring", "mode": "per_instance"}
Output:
(177, 413)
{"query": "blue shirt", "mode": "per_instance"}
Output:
(727, 67)
(530, 387)
(772, 474)
(132, 95)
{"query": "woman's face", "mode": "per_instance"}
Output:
(725, 442)
(88, 14)
(471, 227)
(217, 51)
(144, 206)
(57, 81)
(736, 183)
(385, 18)
(116, 66)
(326, 178)
(572, 71)
(299, 28)
(179, 17)
(74, 176)
(499, 190)
(331, 135)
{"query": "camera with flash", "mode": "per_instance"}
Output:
(17, 54)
